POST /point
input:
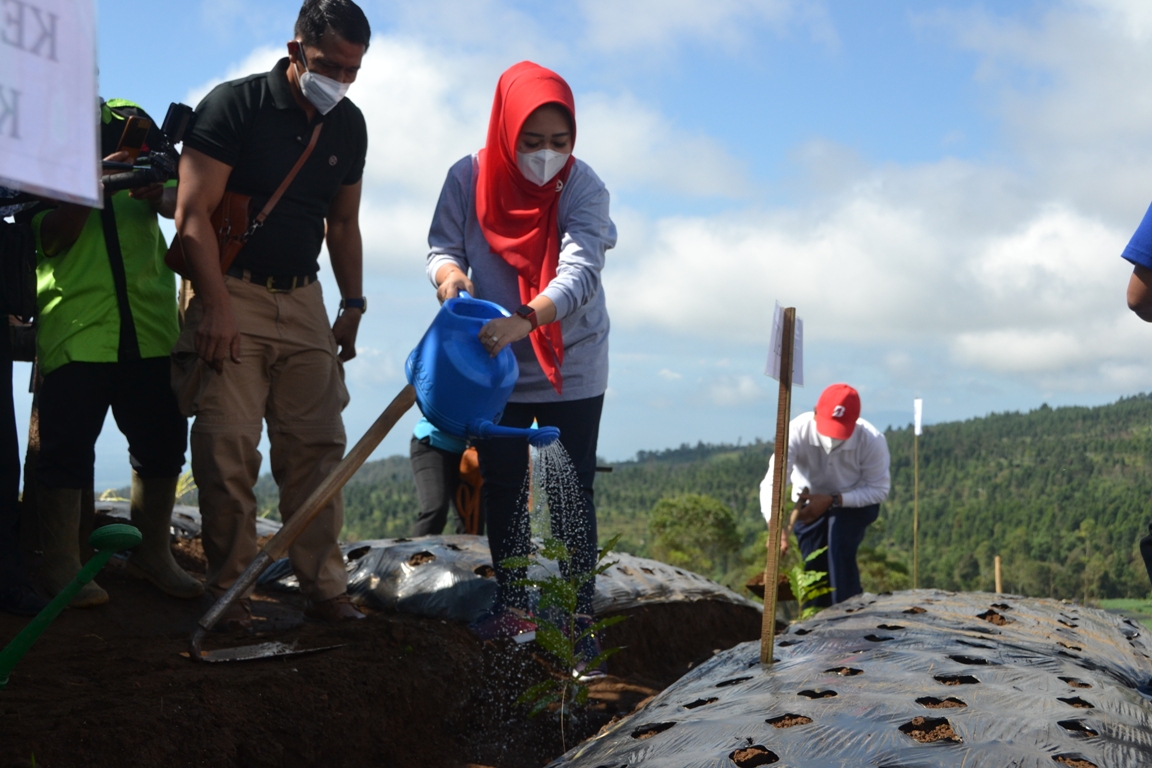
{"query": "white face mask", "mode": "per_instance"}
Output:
(541, 167)
(829, 444)
(324, 92)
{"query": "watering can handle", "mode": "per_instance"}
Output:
(463, 295)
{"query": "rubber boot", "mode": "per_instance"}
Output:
(59, 513)
(152, 501)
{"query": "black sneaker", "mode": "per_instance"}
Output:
(587, 649)
(21, 600)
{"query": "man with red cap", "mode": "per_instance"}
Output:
(838, 464)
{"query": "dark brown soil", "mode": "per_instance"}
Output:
(1077, 703)
(956, 679)
(650, 730)
(1074, 762)
(845, 671)
(753, 756)
(992, 617)
(916, 609)
(931, 702)
(788, 721)
(108, 687)
(1075, 683)
(930, 729)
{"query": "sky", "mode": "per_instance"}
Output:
(941, 189)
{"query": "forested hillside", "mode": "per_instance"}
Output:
(1063, 495)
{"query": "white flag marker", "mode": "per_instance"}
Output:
(772, 369)
(917, 410)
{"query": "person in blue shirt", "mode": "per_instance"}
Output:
(1139, 253)
(436, 471)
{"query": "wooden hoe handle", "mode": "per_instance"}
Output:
(311, 507)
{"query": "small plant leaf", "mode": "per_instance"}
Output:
(519, 561)
(553, 640)
(554, 549)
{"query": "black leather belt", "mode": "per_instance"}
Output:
(274, 283)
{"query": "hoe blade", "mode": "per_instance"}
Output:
(273, 650)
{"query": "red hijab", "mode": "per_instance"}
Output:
(517, 216)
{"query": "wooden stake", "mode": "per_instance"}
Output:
(916, 512)
(999, 581)
(779, 479)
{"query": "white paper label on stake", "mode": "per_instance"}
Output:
(917, 410)
(49, 109)
(775, 352)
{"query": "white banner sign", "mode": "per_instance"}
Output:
(48, 102)
(917, 411)
(776, 350)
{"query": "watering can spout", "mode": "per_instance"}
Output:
(538, 437)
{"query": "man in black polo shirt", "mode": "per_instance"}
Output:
(256, 343)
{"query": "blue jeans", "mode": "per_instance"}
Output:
(841, 530)
(504, 464)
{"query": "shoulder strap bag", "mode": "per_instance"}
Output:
(230, 220)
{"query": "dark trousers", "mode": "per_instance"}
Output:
(841, 530)
(75, 398)
(437, 476)
(504, 465)
(11, 560)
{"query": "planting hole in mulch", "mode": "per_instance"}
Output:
(1075, 761)
(786, 643)
(927, 730)
(956, 679)
(878, 638)
(889, 627)
(916, 609)
(359, 552)
(817, 694)
(844, 671)
(700, 703)
(975, 661)
(1002, 606)
(750, 757)
(1078, 727)
(934, 703)
(1067, 623)
(1076, 682)
(420, 558)
(992, 617)
(1068, 646)
(485, 571)
(788, 721)
(650, 730)
(801, 631)
(733, 681)
(1077, 702)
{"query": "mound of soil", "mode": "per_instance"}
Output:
(108, 686)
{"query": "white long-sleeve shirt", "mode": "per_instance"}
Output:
(857, 470)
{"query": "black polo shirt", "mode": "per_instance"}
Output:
(255, 126)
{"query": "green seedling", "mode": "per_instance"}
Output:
(107, 541)
(558, 632)
(809, 585)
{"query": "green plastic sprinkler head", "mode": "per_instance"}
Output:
(107, 541)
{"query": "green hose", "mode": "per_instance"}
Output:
(107, 541)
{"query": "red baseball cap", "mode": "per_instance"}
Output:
(837, 411)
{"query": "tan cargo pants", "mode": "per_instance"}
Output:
(291, 377)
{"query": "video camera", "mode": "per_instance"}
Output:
(157, 165)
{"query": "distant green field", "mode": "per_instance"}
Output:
(1138, 610)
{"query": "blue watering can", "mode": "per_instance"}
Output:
(460, 388)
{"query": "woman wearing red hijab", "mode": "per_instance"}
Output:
(525, 224)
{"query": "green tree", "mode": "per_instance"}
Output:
(694, 531)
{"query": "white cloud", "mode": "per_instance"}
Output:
(729, 391)
(668, 375)
(656, 24)
(260, 60)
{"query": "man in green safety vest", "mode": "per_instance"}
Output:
(107, 323)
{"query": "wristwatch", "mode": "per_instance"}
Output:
(528, 314)
(837, 500)
(360, 304)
